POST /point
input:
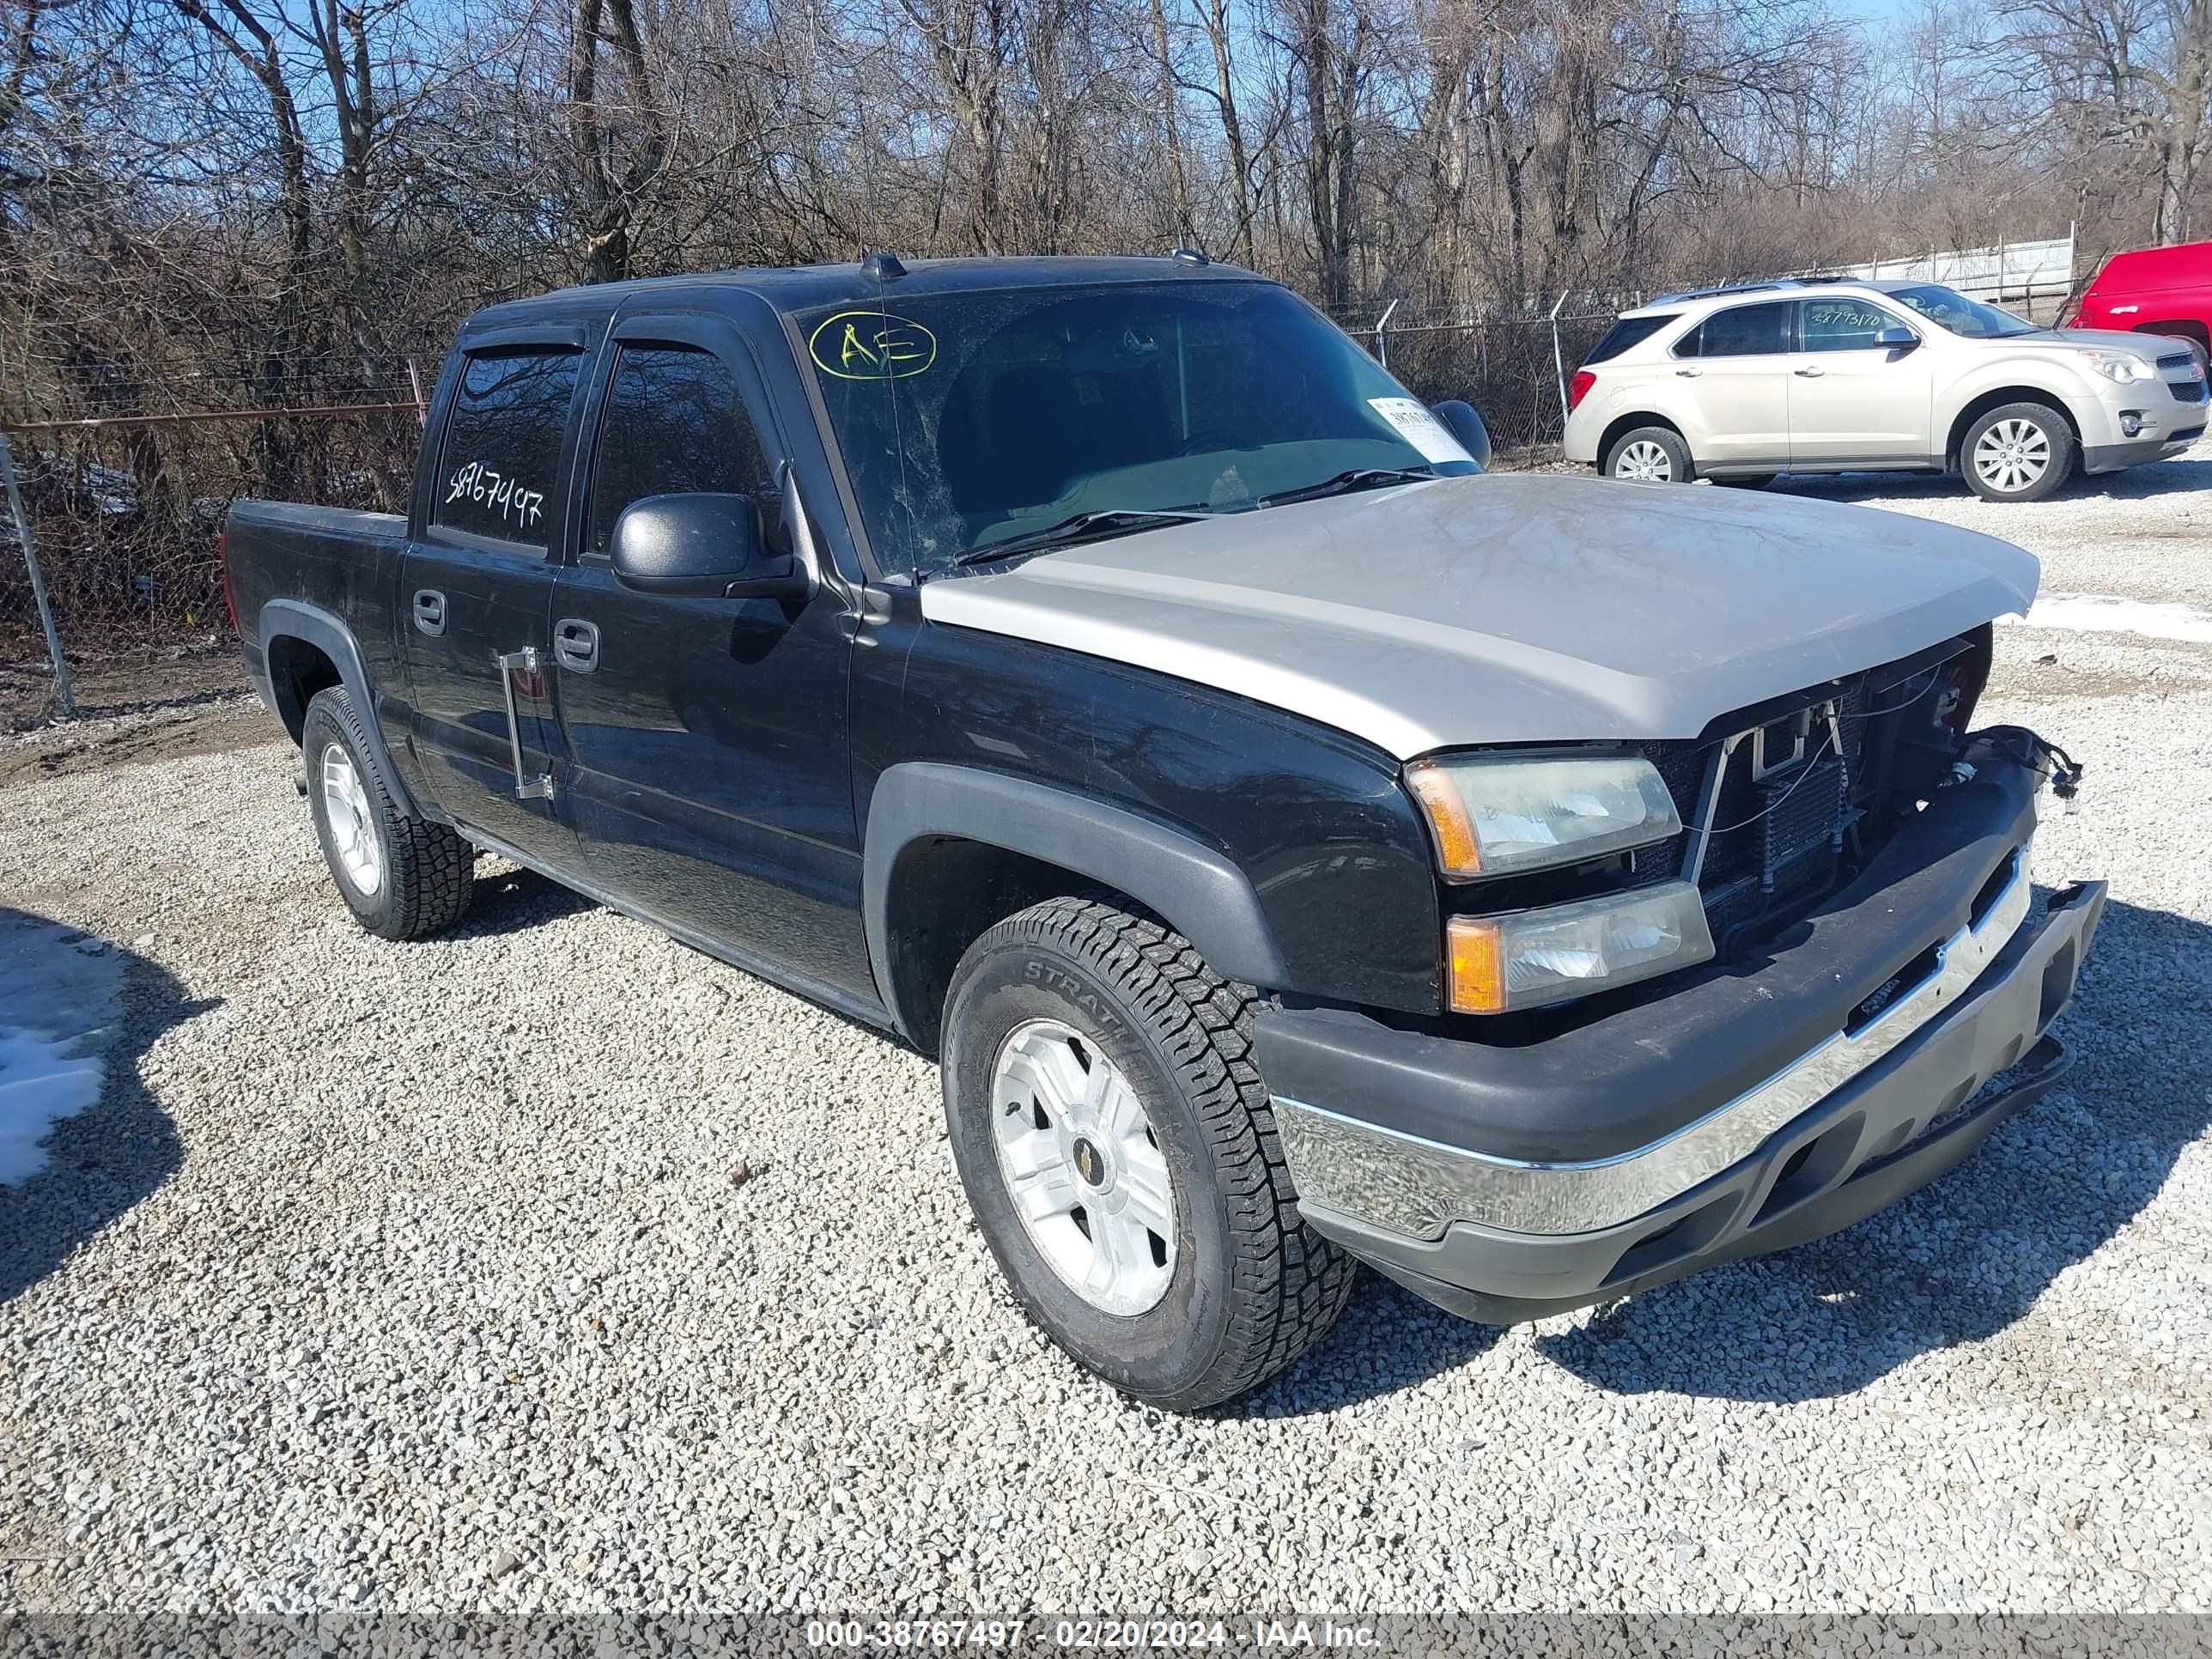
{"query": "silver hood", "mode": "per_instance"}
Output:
(1508, 608)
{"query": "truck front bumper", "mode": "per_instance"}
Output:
(1508, 1184)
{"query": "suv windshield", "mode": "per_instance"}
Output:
(967, 420)
(1948, 308)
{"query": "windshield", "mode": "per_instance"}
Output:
(968, 419)
(1948, 308)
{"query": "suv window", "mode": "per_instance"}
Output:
(1842, 323)
(1625, 332)
(502, 450)
(673, 424)
(1739, 331)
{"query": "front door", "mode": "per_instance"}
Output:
(712, 786)
(1738, 363)
(1852, 400)
(476, 593)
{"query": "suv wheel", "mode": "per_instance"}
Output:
(2018, 453)
(402, 877)
(1118, 1149)
(1649, 454)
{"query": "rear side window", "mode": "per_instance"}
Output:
(503, 445)
(1625, 332)
(673, 424)
(1740, 331)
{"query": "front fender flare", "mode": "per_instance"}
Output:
(295, 619)
(1193, 887)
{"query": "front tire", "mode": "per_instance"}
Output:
(403, 878)
(1649, 454)
(1118, 1149)
(2018, 453)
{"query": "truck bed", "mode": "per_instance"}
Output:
(334, 559)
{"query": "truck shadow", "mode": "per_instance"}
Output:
(1964, 1258)
(103, 1161)
(511, 900)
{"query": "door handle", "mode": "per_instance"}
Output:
(430, 610)
(539, 788)
(576, 644)
(1811, 373)
(1689, 374)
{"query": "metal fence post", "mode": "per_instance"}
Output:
(37, 581)
(1381, 350)
(1558, 361)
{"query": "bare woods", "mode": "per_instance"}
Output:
(230, 204)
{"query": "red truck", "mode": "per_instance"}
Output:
(2153, 290)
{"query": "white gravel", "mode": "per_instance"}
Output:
(554, 1266)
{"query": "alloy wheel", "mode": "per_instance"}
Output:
(2012, 455)
(353, 831)
(1645, 462)
(1083, 1167)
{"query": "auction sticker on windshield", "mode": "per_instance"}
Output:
(870, 346)
(1420, 429)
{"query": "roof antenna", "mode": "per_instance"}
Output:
(881, 267)
(1191, 256)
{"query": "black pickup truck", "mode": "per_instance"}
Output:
(1298, 844)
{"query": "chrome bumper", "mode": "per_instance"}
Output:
(1418, 1189)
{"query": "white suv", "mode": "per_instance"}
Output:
(1737, 385)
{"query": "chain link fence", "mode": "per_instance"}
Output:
(125, 505)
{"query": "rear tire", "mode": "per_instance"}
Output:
(1096, 1069)
(2018, 453)
(403, 878)
(1649, 454)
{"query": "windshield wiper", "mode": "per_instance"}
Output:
(1360, 477)
(1082, 526)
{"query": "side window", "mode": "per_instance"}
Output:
(1747, 331)
(673, 424)
(502, 445)
(1692, 342)
(1844, 324)
(1625, 332)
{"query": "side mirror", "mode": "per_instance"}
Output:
(1463, 423)
(1897, 339)
(707, 545)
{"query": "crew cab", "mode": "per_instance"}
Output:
(1298, 845)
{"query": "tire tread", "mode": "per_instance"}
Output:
(431, 870)
(1291, 1283)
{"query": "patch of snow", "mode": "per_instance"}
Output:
(57, 991)
(2097, 613)
(41, 1082)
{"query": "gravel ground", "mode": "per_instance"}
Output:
(553, 1266)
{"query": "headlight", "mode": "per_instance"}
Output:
(1491, 815)
(2124, 366)
(1498, 963)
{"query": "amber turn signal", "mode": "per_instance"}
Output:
(1475, 959)
(1458, 852)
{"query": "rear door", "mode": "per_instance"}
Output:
(1738, 359)
(709, 737)
(476, 588)
(1850, 399)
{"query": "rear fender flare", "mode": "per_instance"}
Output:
(1193, 887)
(295, 619)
